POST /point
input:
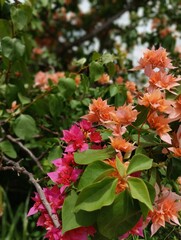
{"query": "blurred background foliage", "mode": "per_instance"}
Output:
(76, 42)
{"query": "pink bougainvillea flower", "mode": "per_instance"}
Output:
(80, 233)
(75, 139)
(99, 111)
(65, 175)
(54, 234)
(163, 80)
(154, 59)
(55, 197)
(68, 159)
(161, 125)
(89, 132)
(166, 209)
(155, 100)
(137, 230)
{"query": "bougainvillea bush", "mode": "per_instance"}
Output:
(120, 169)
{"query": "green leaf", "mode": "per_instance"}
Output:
(113, 89)
(79, 62)
(7, 148)
(142, 116)
(5, 28)
(96, 70)
(111, 69)
(19, 18)
(25, 127)
(146, 140)
(97, 195)
(139, 162)
(139, 191)
(12, 48)
(23, 99)
(66, 86)
(96, 56)
(68, 216)
(92, 155)
(70, 219)
(92, 172)
(107, 58)
(54, 153)
(144, 208)
(118, 218)
(54, 105)
(120, 167)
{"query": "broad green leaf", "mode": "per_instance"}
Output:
(146, 140)
(113, 89)
(96, 70)
(23, 99)
(54, 153)
(118, 218)
(144, 208)
(92, 155)
(95, 56)
(92, 172)
(111, 69)
(120, 167)
(107, 57)
(139, 162)
(79, 62)
(153, 176)
(142, 116)
(139, 191)
(19, 18)
(54, 105)
(12, 48)
(5, 28)
(97, 195)
(66, 86)
(25, 127)
(7, 148)
(70, 219)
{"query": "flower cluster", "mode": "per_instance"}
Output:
(105, 184)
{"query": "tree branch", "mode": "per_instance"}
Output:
(35, 159)
(21, 170)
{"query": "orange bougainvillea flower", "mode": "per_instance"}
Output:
(99, 111)
(160, 124)
(156, 100)
(122, 182)
(121, 145)
(131, 86)
(124, 115)
(163, 80)
(104, 79)
(154, 59)
(176, 149)
(175, 114)
(166, 209)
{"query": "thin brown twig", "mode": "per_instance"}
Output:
(33, 157)
(21, 170)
